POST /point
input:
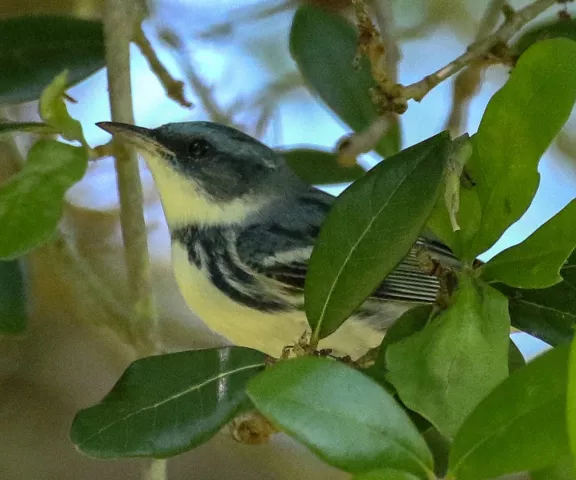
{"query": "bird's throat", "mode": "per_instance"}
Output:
(184, 202)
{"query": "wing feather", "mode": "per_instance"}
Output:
(280, 247)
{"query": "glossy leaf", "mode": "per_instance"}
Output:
(31, 201)
(568, 271)
(324, 45)
(166, 404)
(455, 229)
(12, 298)
(385, 474)
(369, 230)
(31, 127)
(536, 262)
(547, 313)
(460, 154)
(531, 109)
(54, 112)
(440, 448)
(571, 400)
(410, 322)
(565, 27)
(320, 168)
(443, 371)
(515, 358)
(34, 49)
(520, 425)
(469, 218)
(563, 469)
(341, 415)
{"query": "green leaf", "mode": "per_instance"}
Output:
(519, 124)
(547, 313)
(536, 262)
(12, 298)
(562, 28)
(369, 230)
(520, 425)
(563, 469)
(54, 112)
(443, 371)
(341, 415)
(32, 127)
(34, 49)
(440, 447)
(164, 405)
(31, 201)
(568, 271)
(385, 474)
(324, 45)
(515, 358)
(460, 154)
(469, 217)
(571, 405)
(408, 323)
(320, 168)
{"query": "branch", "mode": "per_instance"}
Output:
(385, 20)
(174, 88)
(384, 55)
(244, 15)
(362, 142)
(514, 22)
(155, 471)
(468, 81)
(203, 91)
(119, 24)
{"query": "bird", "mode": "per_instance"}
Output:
(243, 226)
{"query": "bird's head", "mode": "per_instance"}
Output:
(206, 173)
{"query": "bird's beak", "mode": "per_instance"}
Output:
(140, 137)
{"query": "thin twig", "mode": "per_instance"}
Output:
(174, 88)
(100, 151)
(385, 21)
(490, 18)
(156, 470)
(468, 81)
(513, 24)
(119, 22)
(384, 55)
(119, 316)
(351, 147)
(244, 15)
(203, 91)
(566, 143)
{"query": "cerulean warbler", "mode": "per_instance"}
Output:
(243, 226)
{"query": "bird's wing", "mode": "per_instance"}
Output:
(280, 247)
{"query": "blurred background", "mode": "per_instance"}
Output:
(233, 57)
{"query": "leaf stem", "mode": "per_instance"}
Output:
(119, 23)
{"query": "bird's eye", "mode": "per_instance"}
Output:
(198, 148)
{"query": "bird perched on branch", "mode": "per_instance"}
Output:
(243, 226)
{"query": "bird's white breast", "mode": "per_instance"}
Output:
(267, 332)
